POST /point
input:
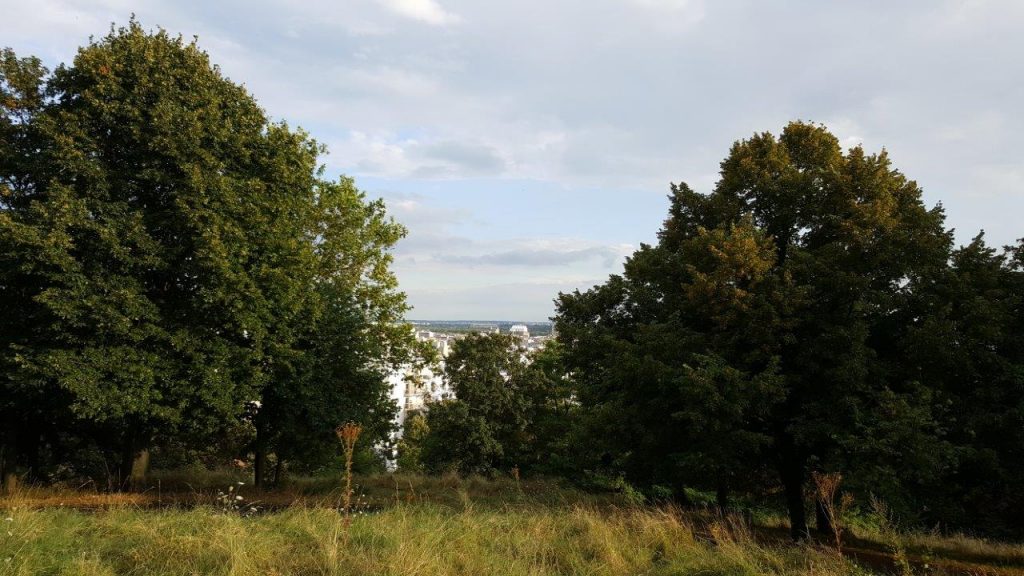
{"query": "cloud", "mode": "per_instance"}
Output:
(415, 212)
(521, 122)
(609, 256)
(999, 182)
(384, 154)
(444, 265)
(389, 81)
(464, 157)
(523, 301)
(427, 11)
(675, 13)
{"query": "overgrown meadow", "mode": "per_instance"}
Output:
(409, 524)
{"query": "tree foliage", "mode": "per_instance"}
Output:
(967, 349)
(173, 256)
(761, 331)
(501, 416)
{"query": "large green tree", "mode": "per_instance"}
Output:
(169, 255)
(758, 333)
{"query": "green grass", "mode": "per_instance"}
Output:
(427, 526)
(187, 489)
(406, 539)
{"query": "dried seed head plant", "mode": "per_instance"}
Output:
(826, 486)
(348, 435)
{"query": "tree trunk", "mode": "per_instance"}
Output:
(722, 497)
(30, 454)
(278, 471)
(124, 467)
(791, 472)
(259, 465)
(7, 460)
(822, 523)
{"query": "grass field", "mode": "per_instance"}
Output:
(409, 525)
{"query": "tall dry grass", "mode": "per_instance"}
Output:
(404, 540)
(431, 525)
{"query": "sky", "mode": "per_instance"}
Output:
(528, 145)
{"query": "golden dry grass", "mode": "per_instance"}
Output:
(424, 525)
(404, 540)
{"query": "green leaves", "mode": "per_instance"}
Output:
(173, 255)
(759, 331)
(506, 409)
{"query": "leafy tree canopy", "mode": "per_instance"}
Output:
(758, 334)
(172, 254)
(502, 412)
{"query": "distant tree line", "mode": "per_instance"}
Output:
(176, 275)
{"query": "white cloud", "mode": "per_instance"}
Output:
(530, 254)
(671, 17)
(416, 212)
(388, 81)
(387, 155)
(524, 301)
(427, 11)
(999, 182)
(566, 118)
(670, 4)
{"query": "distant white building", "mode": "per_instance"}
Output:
(520, 331)
(412, 388)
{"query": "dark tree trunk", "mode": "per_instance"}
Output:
(30, 453)
(134, 464)
(9, 462)
(9, 482)
(791, 472)
(722, 497)
(822, 524)
(124, 468)
(278, 471)
(259, 465)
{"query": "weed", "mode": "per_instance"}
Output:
(892, 537)
(231, 502)
(826, 486)
(348, 434)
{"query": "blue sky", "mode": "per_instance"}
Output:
(528, 146)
